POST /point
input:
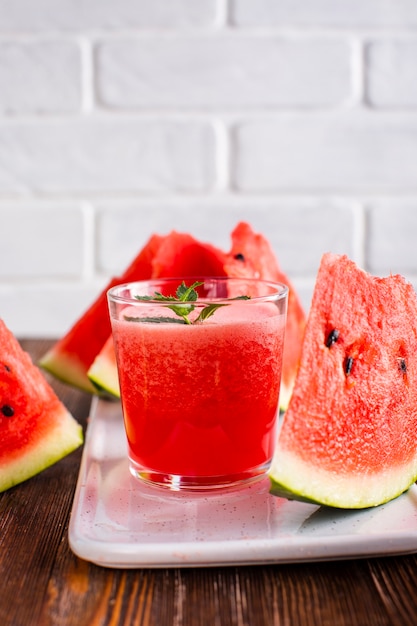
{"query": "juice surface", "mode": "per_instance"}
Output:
(202, 399)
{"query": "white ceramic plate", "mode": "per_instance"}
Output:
(118, 522)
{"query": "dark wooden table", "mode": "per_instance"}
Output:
(44, 583)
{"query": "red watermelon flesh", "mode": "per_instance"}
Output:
(36, 430)
(348, 438)
(181, 255)
(251, 256)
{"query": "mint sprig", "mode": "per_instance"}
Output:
(183, 294)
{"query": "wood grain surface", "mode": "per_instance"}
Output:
(43, 583)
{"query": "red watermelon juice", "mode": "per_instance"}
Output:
(199, 383)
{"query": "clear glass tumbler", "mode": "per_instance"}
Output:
(199, 364)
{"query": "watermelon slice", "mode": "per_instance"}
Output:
(36, 429)
(70, 358)
(348, 438)
(178, 254)
(181, 255)
(84, 357)
(251, 256)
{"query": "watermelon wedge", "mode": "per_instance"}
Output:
(84, 357)
(36, 429)
(251, 256)
(348, 438)
(70, 358)
(178, 254)
(73, 355)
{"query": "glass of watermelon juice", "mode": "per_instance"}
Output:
(199, 365)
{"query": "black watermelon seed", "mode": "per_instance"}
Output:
(7, 410)
(332, 337)
(403, 366)
(348, 365)
(239, 256)
(7, 368)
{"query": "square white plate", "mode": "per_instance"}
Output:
(118, 522)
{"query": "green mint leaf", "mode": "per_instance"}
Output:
(211, 308)
(144, 298)
(183, 294)
(208, 311)
(182, 310)
(154, 320)
(157, 296)
(188, 294)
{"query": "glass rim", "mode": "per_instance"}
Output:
(279, 290)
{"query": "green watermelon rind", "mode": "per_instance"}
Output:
(66, 368)
(59, 441)
(104, 377)
(103, 372)
(311, 485)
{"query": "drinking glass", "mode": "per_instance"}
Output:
(199, 364)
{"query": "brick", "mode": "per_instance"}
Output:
(392, 73)
(42, 242)
(324, 13)
(223, 71)
(392, 236)
(106, 155)
(355, 151)
(288, 223)
(46, 15)
(40, 77)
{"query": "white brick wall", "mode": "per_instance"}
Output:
(120, 119)
(329, 152)
(226, 71)
(40, 77)
(93, 155)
